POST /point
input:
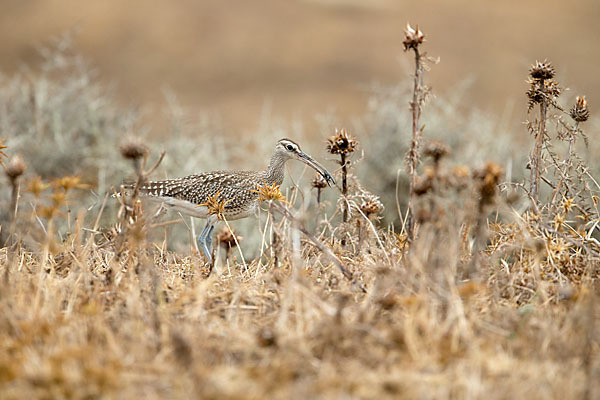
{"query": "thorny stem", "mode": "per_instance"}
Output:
(537, 150)
(344, 184)
(413, 155)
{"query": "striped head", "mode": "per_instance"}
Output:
(288, 149)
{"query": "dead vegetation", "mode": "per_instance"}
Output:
(491, 294)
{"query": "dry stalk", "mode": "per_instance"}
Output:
(414, 38)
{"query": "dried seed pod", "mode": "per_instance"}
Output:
(15, 168)
(133, 148)
(580, 112)
(412, 37)
(436, 150)
(36, 186)
(489, 177)
(372, 206)
(318, 182)
(542, 70)
(228, 238)
(341, 143)
(540, 90)
(423, 185)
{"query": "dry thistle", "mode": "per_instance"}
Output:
(580, 112)
(341, 143)
(36, 186)
(436, 150)
(215, 206)
(133, 148)
(318, 182)
(58, 198)
(412, 37)
(269, 193)
(228, 238)
(542, 70)
(371, 207)
(15, 168)
(48, 212)
(69, 182)
(489, 177)
(542, 91)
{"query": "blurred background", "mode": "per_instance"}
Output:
(298, 58)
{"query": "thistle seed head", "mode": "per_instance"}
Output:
(372, 206)
(540, 90)
(133, 148)
(542, 70)
(228, 238)
(36, 186)
(436, 150)
(489, 177)
(318, 182)
(580, 112)
(15, 168)
(69, 182)
(341, 143)
(412, 37)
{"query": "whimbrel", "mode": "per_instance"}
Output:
(236, 188)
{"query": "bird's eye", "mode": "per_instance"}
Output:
(289, 147)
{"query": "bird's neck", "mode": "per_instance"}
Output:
(275, 171)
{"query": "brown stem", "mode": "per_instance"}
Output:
(413, 156)
(536, 158)
(344, 185)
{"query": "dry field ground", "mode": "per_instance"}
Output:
(457, 257)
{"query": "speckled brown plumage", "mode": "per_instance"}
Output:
(237, 187)
(188, 195)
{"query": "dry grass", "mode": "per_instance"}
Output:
(494, 295)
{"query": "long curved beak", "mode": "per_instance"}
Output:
(308, 160)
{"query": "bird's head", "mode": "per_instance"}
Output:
(289, 149)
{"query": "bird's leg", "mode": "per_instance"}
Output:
(205, 240)
(208, 239)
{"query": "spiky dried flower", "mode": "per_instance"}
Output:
(268, 192)
(69, 182)
(372, 206)
(15, 168)
(215, 206)
(542, 70)
(580, 112)
(412, 37)
(48, 212)
(228, 238)
(436, 150)
(36, 186)
(133, 148)
(489, 177)
(540, 90)
(341, 143)
(58, 198)
(318, 182)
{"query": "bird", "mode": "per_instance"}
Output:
(236, 189)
